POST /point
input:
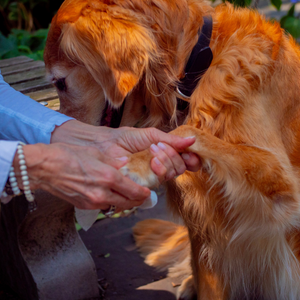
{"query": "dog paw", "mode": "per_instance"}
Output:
(187, 289)
(138, 169)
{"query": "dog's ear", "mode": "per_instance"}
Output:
(114, 48)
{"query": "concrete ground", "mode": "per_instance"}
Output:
(122, 274)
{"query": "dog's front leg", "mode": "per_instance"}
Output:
(250, 177)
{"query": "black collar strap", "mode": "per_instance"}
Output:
(111, 117)
(199, 61)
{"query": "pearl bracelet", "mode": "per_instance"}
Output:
(13, 181)
(25, 178)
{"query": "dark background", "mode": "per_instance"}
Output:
(27, 14)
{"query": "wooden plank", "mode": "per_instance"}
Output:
(22, 67)
(14, 61)
(54, 104)
(43, 95)
(25, 76)
(33, 85)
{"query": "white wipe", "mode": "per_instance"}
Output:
(150, 202)
(86, 217)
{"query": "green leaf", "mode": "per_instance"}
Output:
(24, 48)
(291, 25)
(5, 45)
(39, 55)
(3, 3)
(240, 3)
(276, 3)
(118, 215)
(78, 227)
(291, 11)
(100, 217)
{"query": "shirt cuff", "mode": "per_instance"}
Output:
(7, 153)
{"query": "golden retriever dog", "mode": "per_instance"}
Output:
(124, 63)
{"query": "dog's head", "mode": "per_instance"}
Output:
(107, 50)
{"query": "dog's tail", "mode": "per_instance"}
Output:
(164, 245)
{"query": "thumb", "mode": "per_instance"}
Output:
(117, 163)
(180, 143)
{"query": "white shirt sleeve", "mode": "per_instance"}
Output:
(22, 119)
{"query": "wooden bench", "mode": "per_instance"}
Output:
(41, 253)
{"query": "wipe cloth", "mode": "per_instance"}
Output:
(87, 217)
(150, 202)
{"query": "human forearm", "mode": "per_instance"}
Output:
(77, 133)
(79, 175)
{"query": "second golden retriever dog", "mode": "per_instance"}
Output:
(230, 78)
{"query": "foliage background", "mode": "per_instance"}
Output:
(24, 24)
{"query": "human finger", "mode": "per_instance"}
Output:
(176, 165)
(175, 157)
(161, 164)
(192, 161)
(128, 188)
(176, 142)
(105, 199)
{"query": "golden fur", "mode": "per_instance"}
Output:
(241, 210)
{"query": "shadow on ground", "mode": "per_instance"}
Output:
(122, 273)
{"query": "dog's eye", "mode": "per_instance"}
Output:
(61, 84)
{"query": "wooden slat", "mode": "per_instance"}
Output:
(32, 86)
(54, 104)
(43, 95)
(28, 77)
(25, 76)
(22, 67)
(14, 61)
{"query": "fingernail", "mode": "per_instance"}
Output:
(161, 146)
(156, 160)
(190, 137)
(124, 158)
(154, 148)
(185, 156)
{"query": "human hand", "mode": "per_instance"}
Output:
(80, 175)
(125, 141)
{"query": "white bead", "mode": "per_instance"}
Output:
(12, 179)
(21, 156)
(30, 199)
(20, 151)
(26, 188)
(16, 190)
(25, 178)
(11, 169)
(12, 174)
(25, 182)
(23, 168)
(22, 162)
(27, 192)
(4, 194)
(13, 184)
(23, 173)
